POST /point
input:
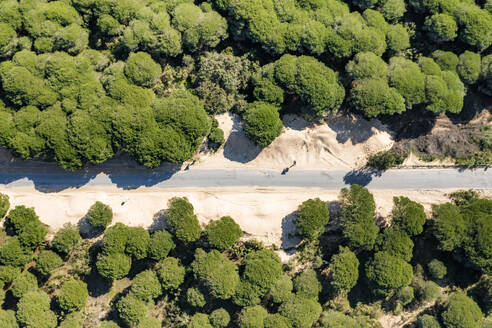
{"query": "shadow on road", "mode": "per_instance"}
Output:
(361, 177)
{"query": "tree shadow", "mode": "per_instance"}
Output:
(411, 124)
(361, 177)
(87, 231)
(238, 147)
(159, 222)
(289, 239)
(296, 122)
(354, 128)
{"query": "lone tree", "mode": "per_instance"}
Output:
(223, 233)
(182, 220)
(313, 215)
(100, 215)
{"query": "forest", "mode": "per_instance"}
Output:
(84, 80)
(351, 269)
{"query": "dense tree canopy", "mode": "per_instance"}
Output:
(223, 233)
(313, 215)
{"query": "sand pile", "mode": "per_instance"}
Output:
(341, 143)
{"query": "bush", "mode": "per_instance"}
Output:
(344, 270)
(100, 215)
(23, 284)
(161, 243)
(385, 160)
(66, 239)
(437, 269)
(220, 318)
(47, 261)
(73, 296)
(113, 266)
(461, 311)
(131, 310)
(223, 233)
(33, 310)
(216, 138)
(146, 286)
(386, 272)
(313, 215)
(307, 284)
(182, 220)
(263, 124)
(4, 205)
(171, 273)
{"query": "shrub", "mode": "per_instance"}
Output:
(66, 239)
(223, 233)
(73, 296)
(461, 311)
(385, 160)
(386, 272)
(4, 205)
(344, 270)
(220, 318)
(216, 138)
(146, 286)
(313, 215)
(263, 124)
(113, 266)
(24, 283)
(437, 269)
(131, 310)
(161, 243)
(33, 310)
(47, 261)
(100, 215)
(171, 273)
(182, 220)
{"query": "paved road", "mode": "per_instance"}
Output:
(392, 179)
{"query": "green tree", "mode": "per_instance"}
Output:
(386, 272)
(276, 321)
(32, 234)
(12, 253)
(220, 318)
(33, 310)
(367, 65)
(218, 274)
(333, 319)
(461, 311)
(246, 294)
(20, 217)
(4, 205)
(468, 68)
(72, 320)
(475, 25)
(7, 319)
(263, 124)
(301, 312)
(405, 295)
(24, 283)
(252, 317)
(171, 273)
(397, 38)
(282, 290)
(450, 227)
(437, 269)
(223, 233)
(149, 322)
(374, 97)
(8, 274)
(138, 241)
(113, 266)
(441, 27)
(47, 261)
(427, 321)
(396, 243)
(357, 217)
(66, 239)
(446, 60)
(313, 215)
(427, 291)
(182, 220)
(199, 320)
(115, 238)
(393, 9)
(100, 215)
(161, 243)
(142, 70)
(406, 77)
(73, 296)
(262, 268)
(146, 286)
(195, 298)
(131, 310)
(408, 215)
(344, 270)
(307, 285)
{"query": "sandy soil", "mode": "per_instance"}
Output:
(341, 143)
(265, 214)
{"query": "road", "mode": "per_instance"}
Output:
(392, 179)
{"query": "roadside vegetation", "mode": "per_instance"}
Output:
(83, 80)
(351, 269)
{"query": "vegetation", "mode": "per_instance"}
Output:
(337, 280)
(100, 215)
